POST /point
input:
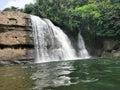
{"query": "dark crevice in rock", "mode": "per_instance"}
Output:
(16, 46)
(16, 25)
(4, 28)
(14, 29)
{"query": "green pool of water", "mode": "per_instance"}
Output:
(92, 74)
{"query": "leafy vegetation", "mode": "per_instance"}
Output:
(12, 8)
(96, 17)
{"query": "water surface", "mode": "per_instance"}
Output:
(92, 74)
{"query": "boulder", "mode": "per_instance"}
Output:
(109, 44)
(111, 48)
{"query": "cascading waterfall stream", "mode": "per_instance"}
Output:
(83, 53)
(51, 43)
(62, 41)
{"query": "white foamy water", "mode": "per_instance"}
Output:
(83, 53)
(52, 44)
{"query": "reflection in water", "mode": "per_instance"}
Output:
(57, 74)
(53, 74)
(66, 75)
(85, 72)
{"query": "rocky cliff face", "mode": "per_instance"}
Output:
(16, 41)
(104, 47)
(111, 48)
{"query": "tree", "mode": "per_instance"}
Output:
(12, 8)
(96, 17)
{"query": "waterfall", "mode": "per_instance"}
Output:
(83, 53)
(52, 44)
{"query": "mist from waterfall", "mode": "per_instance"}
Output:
(51, 43)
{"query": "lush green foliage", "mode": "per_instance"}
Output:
(98, 17)
(12, 8)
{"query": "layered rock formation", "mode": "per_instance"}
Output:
(16, 41)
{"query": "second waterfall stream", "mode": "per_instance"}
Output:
(51, 43)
